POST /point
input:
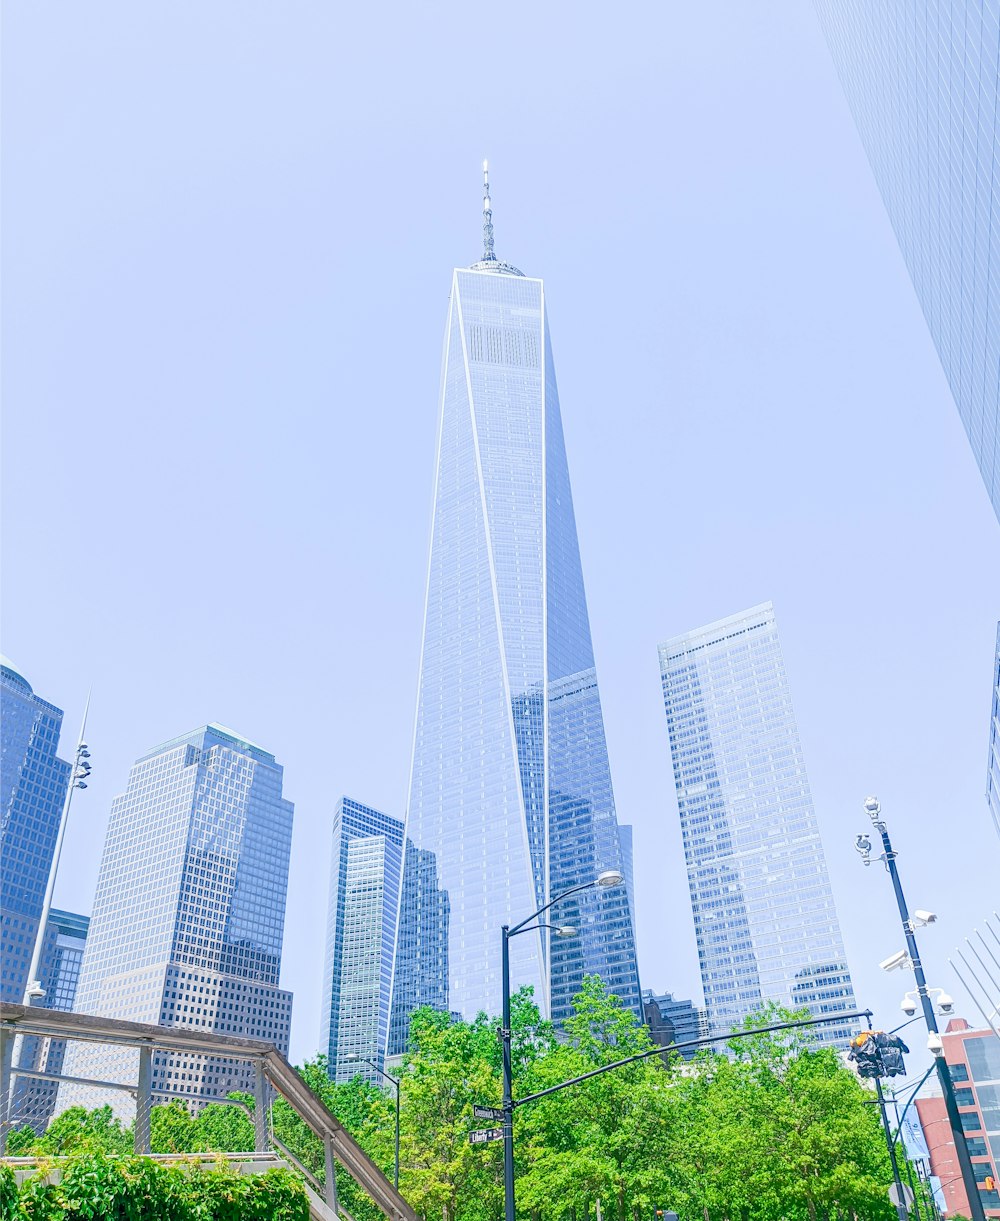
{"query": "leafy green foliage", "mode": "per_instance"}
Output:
(98, 1187)
(778, 1130)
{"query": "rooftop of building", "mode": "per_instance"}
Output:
(13, 674)
(221, 734)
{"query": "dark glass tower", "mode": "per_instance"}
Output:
(32, 791)
(923, 82)
(510, 786)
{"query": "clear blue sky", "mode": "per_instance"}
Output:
(229, 232)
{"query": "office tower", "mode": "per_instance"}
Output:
(62, 954)
(763, 909)
(973, 1058)
(190, 908)
(673, 1021)
(923, 82)
(510, 787)
(32, 791)
(365, 869)
(993, 767)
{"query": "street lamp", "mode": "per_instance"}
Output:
(78, 780)
(395, 1083)
(606, 880)
(911, 958)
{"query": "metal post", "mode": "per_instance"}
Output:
(6, 1055)
(331, 1173)
(395, 1177)
(260, 1132)
(508, 1085)
(944, 1076)
(144, 1100)
(901, 1210)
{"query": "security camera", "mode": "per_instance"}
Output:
(934, 1044)
(946, 1003)
(863, 845)
(896, 962)
(872, 806)
(922, 918)
(908, 1005)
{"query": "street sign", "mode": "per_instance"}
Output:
(907, 1200)
(487, 1112)
(485, 1134)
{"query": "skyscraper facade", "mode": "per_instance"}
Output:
(62, 956)
(673, 1021)
(923, 82)
(510, 788)
(33, 784)
(993, 764)
(365, 873)
(763, 907)
(190, 906)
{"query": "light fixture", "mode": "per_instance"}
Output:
(609, 878)
(566, 930)
(872, 807)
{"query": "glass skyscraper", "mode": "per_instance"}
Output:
(365, 872)
(923, 82)
(33, 784)
(510, 787)
(65, 939)
(763, 908)
(993, 766)
(190, 908)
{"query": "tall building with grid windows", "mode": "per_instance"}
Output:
(510, 788)
(763, 908)
(190, 908)
(923, 82)
(33, 784)
(365, 873)
(62, 956)
(993, 765)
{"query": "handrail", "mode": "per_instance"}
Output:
(34, 1020)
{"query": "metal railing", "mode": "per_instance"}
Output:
(137, 1050)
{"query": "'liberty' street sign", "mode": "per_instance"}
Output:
(484, 1135)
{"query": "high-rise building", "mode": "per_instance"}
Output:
(763, 908)
(190, 908)
(62, 955)
(365, 870)
(510, 787)
(973, 1059)
(673, 1021)
(33, 784)
(923, 82)
(993, 766)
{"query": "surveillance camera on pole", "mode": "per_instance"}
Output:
(896, 962)
(908, 1005)
(921, 918)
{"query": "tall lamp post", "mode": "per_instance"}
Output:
(912, 959)
(395, 1084)
(605, 880)
(78, 780)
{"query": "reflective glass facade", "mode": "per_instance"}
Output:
(673, 1021)
(993, 767)
(32, 791)
(190, 907)
(365, 873)
(763, 908)
(510, 786)
(62, 956)
(923, 82)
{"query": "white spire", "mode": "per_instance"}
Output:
(489, 254)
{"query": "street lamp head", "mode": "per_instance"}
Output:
(872, 807)
(566, 930)
(609, 878)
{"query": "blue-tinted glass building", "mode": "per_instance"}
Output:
(189, 912)
(923, 82)
(33, 784)
(763, 908)
(993, 766)
(510, 788)
(365, 874)
(672, 1021)
(62, 956)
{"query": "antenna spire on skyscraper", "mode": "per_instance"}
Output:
(489, 254)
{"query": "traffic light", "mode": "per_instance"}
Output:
(990, 1183)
